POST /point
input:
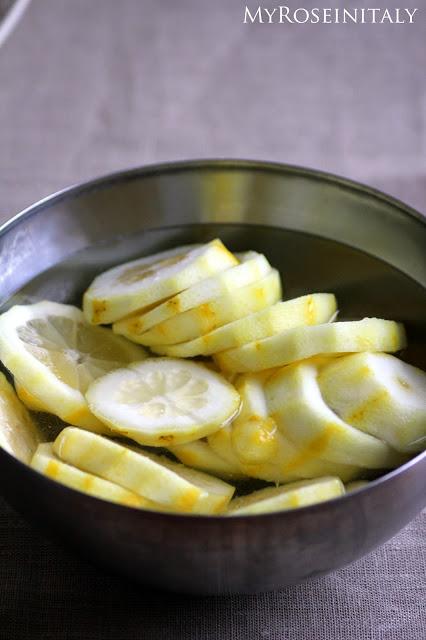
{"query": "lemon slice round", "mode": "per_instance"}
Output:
(163, 401)
(253, 267)
(291, 496)
(54, 355)
(370, 334)
(139, 284)
(307, 310)
(153, 477)
(47, 463)
(199, 455)
(18, 432)
(381, 395)
(219, 311)
(296, 404)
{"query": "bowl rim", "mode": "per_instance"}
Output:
(209, 164)
(138, 171)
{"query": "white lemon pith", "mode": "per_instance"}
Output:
(18, 432)
(47, 463)
(381, 395)
(138, 284)
(54, 355)
(252, 267)
(219, 311)
(370, 334)
(296, 404)
(152, 477)
(297, 494)
(316, 308)
(163, 401)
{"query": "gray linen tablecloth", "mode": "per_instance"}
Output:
(90, 86)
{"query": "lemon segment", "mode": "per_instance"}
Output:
(296, 404)
(291, 496)
(163, 401)
(252, 267)
(199, 455)
(138, 284)
(55, 355)
(219, 311)
(47, 463)
(152, 477)
(370, 334)
(381, 395)
(311, 309)
(18, 433)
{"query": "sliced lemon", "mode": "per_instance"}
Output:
(291, 496)
(370, 334)
(355, 485)
(306, 310)
(199, 455)
(54, 355)
(219, 311)
(47, 463)
(253, 266)
(296, 404)
(153, 477)
(253, 430)
(289, 463)
(381, 395)
(221, 443)
(141, 283)
(163, 401)
(30, 401)
(18, 432)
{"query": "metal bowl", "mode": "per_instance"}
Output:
(325, 233)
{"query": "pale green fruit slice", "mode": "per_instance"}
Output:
(296, 404)
(381, 395)
(55, 355)
(219, 311)
(141, 283)
(355, 485)
(252, 267)
(291, 496)
(18, 432)
(307, 310)
(163, 401)
(370, 334)
(199, 455)
(152, 477)
(253, 430)
(290, 463)
(47, 463)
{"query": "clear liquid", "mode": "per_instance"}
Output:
(364, 285)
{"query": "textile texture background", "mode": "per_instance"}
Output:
(91, 86)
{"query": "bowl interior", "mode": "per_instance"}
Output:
(364, 285)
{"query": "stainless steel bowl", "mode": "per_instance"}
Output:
(325, 233)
